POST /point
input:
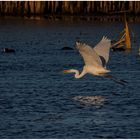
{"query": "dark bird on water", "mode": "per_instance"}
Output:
(8, 50)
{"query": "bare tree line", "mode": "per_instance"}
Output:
(22, 8)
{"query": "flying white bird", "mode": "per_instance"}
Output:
(95, 60)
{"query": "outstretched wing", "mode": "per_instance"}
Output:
(89, 55)
(102, 49)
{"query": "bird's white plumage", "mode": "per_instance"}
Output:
(93, 63)
(89, 55)
(95, 60)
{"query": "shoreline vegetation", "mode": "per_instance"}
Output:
(72, 10)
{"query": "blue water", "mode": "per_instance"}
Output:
(37, 99)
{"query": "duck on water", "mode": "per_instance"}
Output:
(8, 50)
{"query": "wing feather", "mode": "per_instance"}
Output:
(89, 55)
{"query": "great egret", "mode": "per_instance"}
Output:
(95, 60)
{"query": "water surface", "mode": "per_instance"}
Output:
(37, 99)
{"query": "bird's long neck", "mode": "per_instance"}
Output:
(77, 75)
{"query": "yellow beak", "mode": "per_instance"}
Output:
(66, 71)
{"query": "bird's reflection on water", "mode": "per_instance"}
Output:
(91, 100)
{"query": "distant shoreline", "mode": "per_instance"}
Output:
(96, 18)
